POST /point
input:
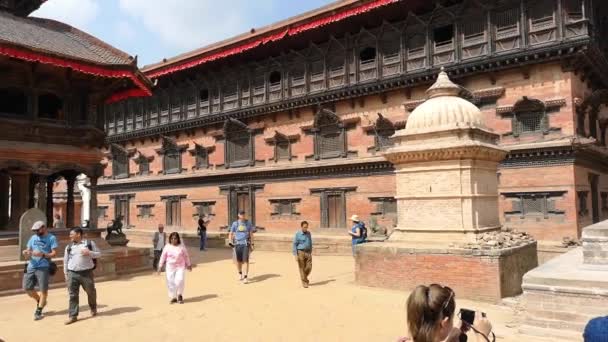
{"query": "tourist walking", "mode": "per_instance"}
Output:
(241, 239)
(41, 248)
(358, 232)
(203, 221)
(302, 250)
(78, 265)
(177, 260)
(58, 224)
(158, 242)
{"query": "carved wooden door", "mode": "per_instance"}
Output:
(334, 211)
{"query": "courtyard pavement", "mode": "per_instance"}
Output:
(272, 307)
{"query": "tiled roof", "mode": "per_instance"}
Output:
(58, 39)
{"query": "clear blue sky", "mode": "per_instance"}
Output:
(155, 29)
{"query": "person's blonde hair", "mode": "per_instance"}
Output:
(426, 307)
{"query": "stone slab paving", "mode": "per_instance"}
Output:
(273, 307)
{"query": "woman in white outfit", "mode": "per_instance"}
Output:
(177, 261)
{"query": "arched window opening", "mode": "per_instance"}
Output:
(50, 106)
(13, 101)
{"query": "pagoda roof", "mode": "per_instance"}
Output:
(334, 12)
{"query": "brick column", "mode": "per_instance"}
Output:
(4, 199)
(49, 201)
(69, 222)
(20, 197)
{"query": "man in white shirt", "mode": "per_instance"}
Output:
(158, 242)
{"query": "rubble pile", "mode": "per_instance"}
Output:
(500, 240)
(570, 242)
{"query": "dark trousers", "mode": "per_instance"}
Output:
(75, 281)
(203, 237)
(305, 265)
(156, 259)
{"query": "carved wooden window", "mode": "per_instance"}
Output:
(230, 94)
(541, 14)
(443, 36)
(297, 76)
(190, 103)
(385, 206)
(163, 99)
(201, 156)
(139, 113)
(13, 102)
(173, 211)
(474, 37)
(122, 208)
(215, 99)
(582, 203)
(172, 161)
(282, 150)
(507, 29)
(120, 162)
(534, 204)
(573, 10)
(333, 206)
(203, 96)
(390, 47)
(416, 48)
(330, 136)
(529, 116)
(245, 92)
(336, 65)
(143, 164)
(383, 130)
(50, 106)
(285, 207)
(275, 86)
(317, 74)
(153, 109)
(239, 149)
(204, 208)
(145, 211)
(367, 58)
(130, 114)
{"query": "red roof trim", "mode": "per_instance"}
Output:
(80, 67)
(271, 38)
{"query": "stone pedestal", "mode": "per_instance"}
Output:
(562, 295)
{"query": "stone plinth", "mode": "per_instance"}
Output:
(486, 275)
(562, 295)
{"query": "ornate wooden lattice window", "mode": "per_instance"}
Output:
(336, 64)
(541, 14)
(13, 102)
(50, 106)
(507, 29)
(172, 155)
(282, 145)
(203, 96)
(230, 95)
(583, 210)
(163, 100)
(122, 208)
(416, 44)
(474, 34)
(120, 162)
(297, 76)
(333, 206)
(534, 204)
(239, 149)
(190, 101)
(144, 211)
(201, 156)
(573, 10)
(173, 209)
(330, 136)
(284, 207)
(390, 48)
(383, 130)
(203, 208)
(529, 116)
(143, 164)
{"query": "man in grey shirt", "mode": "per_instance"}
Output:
(158, 242)
(78, 266)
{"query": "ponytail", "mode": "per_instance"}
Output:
(426, 307)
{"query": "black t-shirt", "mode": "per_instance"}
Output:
(201, 225)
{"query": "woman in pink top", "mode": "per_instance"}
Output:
(177, 260)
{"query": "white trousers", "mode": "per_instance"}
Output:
(175, 280)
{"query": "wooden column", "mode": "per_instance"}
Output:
(41, 189)
(69, 221)
(93, 206)
(50, 181)
(20, 191)
(4, 199)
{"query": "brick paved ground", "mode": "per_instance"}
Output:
(218, 308)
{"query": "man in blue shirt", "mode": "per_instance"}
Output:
(302, 250)
(41, 248)
(241, 239)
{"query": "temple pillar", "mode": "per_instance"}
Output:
(93, 204)
(41, 189)
(69, 220)
(20, 197)
(4, 199)
(50, 182)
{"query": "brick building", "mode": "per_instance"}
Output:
(288, 122)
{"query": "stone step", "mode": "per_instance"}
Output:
(9, 253)
(9, 241)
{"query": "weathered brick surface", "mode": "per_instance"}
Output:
(478, 277)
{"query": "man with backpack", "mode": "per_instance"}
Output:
(79, 261)
(358, 232)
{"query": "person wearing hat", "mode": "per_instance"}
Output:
(358, 232)
(241, 239)
(41, 248)
(596, 330)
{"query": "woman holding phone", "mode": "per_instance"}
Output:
(430, 317)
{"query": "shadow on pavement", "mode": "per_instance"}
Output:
(263, 277)
(81, 308)
(118, 311)
(200, 298)
(324, 282)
